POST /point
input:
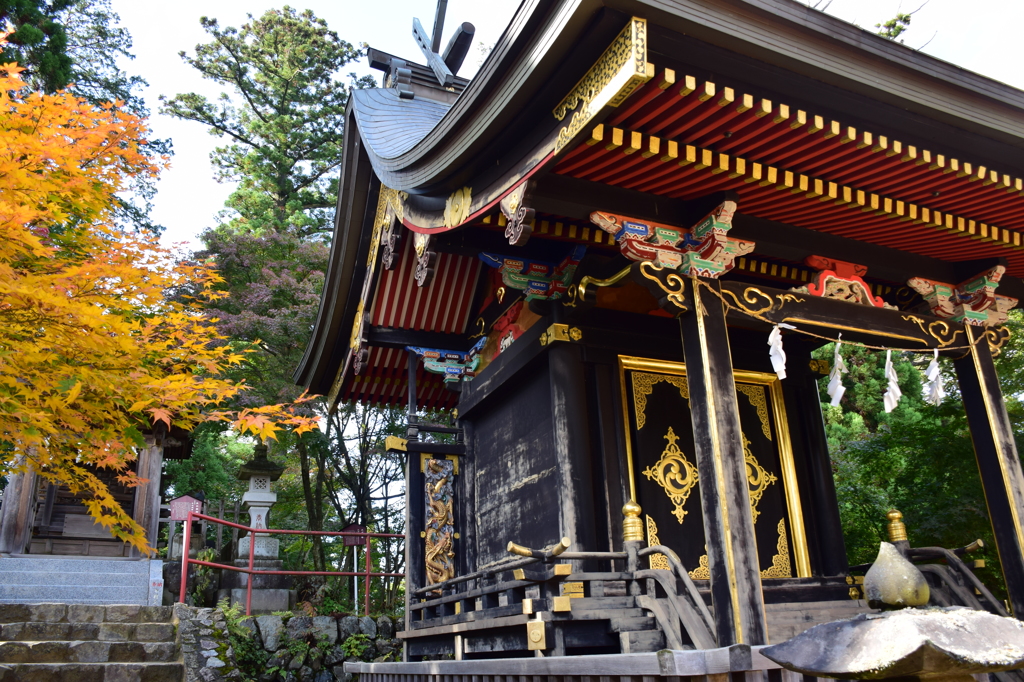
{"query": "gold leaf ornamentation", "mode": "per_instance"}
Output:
(780, 567)
(940, 330)
(758, 478)
(754, 301)
(756, 395)
(702, 572)
(615, 76)
(674, 286)
(658, 561)
(456, 209)
(675, 474)
(643, 386)
(440, 532)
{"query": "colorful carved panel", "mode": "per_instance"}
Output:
(453, 365)
(841, 281)
(973, 301)
(664, 479)
(536, 279)
(702, 250)
(439, 533)
(518, 216)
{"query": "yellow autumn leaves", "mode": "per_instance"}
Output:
(100, 331)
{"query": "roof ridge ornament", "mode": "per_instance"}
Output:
(446, 65)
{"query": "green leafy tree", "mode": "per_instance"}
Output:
(37, 41)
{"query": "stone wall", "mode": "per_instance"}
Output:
(282, 648)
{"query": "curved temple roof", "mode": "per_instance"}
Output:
(828, 135)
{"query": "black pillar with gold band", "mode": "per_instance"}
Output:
(998, 460)
(718, 441)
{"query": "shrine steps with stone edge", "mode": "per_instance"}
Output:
(88, 643)
(28, 579)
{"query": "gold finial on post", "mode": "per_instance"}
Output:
(632, 526)
(897, 529)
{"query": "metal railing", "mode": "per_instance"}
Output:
(250, 571)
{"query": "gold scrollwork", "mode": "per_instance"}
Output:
(702, 572)
(940, 330)
(758, 478)
(481, 328)
(756, 394)
(781, 566)
(643, 386)
(675, 474)
(997, 338)
(754, 301)
(674, 286)
(615, 76)
(658, 561)
(456, 209)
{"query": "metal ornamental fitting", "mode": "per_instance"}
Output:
(546, 553)
(632, 526)
(897, 529)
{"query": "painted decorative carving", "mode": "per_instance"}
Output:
(615, 76)
(425, 259)
(390, 239)
(507, 329)
(675, 474)
(536, 279)
(453, 365)
(456, 209)
(840, 280)
(973, 301)
(518, 215)
(439, 533)
(703, 250)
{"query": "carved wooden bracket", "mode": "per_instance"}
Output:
(840, 280)
(425, 259)
(973, 301)
(519, 216)
(537, 279)
(703, 250)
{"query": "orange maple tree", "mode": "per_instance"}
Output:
(94, 349)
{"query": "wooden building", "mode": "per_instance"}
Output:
(585, 251)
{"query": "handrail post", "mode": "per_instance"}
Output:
(366, 583)
(248, 582)
(186, 537)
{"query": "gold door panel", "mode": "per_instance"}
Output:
(663, 476)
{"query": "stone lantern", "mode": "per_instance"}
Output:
(260, 472)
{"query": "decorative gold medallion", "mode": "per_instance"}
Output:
(675, 474)
(658, 561)
(456, 209)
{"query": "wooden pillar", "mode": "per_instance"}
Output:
(415, 511)
(998, 461)
(146, 511)
(725, 501)
(18, 510)
(810, 444)
(572, 447)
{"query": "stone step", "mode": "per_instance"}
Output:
(84, 613)
(92, 672)
(103, 632)
(87, 652)
(35, 579)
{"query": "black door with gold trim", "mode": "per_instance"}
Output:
(663, 474)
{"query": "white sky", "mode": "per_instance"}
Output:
(979, 35)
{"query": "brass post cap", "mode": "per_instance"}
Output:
(896, 528)
(894, 515)
(632, 526)
(631, 508)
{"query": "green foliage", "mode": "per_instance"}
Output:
(212, 468)
(203, 577)
(250, 655)
(894, 28)
(918, 459)
(38, 41)
(356, 645)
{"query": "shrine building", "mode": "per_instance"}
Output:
(603, 254)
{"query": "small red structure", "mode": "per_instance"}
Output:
(181, 506)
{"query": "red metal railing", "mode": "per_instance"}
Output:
(367, 574)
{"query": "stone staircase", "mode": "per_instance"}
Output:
(69, 580)
(88, 643)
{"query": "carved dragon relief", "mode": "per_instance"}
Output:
(439, 533)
